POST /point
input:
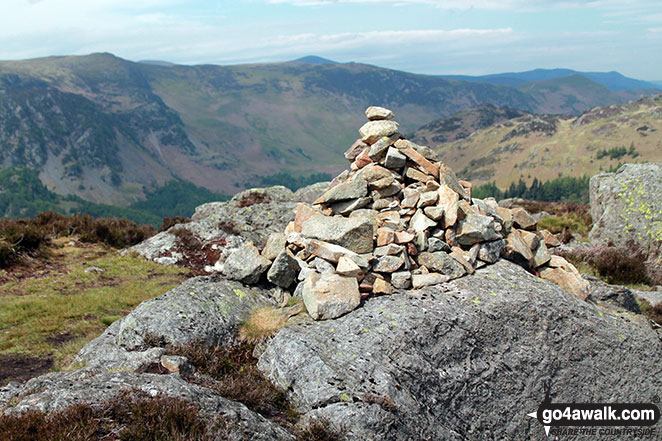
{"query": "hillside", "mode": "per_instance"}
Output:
(110, 131)
(544, 147)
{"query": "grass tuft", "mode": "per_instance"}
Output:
(262, 323)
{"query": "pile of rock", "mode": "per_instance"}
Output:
(398, 219)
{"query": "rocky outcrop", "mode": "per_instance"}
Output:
(465, 360)
(627, 206)
(57, 390)
(206, 309)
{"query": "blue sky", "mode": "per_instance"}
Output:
(423, 36)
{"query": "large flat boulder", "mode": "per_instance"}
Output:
(627, 206)
(465, 360)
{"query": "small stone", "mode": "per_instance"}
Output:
(381, 204)
(447, 177)
(425, 165)
(422, 240)
(427, 199)
(475, 228)
(530, 239)
(355, 150)
(386, 192)
(434, 213)
(276, 242)
(463, 258)
(284, 270)
(417, 175)
(522, 219)
(506, 215)
(351, 233)
(328, 296)
(93, 269)
(322, 266)
(379, 148)
(388, 250)
(362, 160)
(410, 201)
(373, 172)
(382, 183)
(549, 238)
(442, 263)
(435, 244)
(376, 113)
(373, 131)
(245, 264)
(176, 364)
(541, 256)
(421, 280)
(394, 159)
(564, 274)
(420, 222)
(449, 201)
(404, 237)
(346, 207)
(385, 236)
(401, 279)
(387, 264)
(490, 252)
(354, 189)
(382, 287)
(348, 268)
(328, 251)
(303, 213)
(517, 250)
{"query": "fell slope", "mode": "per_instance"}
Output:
(544, 146)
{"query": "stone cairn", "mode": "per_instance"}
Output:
(398, 219)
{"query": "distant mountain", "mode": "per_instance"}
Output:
(544, 146)
(313, 59)
(157, 62)
(613, 81)
(113, 131)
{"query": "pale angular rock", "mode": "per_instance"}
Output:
(404, 237)
(328, 296)
(379, 148)
(372, 131)
(422, 280)
(354, 189)
(417, 175)
(355, 150)
(530, 239)
(362, 160)
(464, 258)
(348, 268)
(276, 242)
(549, 238)
(372, 172)
(411, 200)
(476, 228)
(435, 213)
(394, 159)
(564, 274)
(351, 233)
(333, 253)
(425, 165)
(427, 199)
(517, 250)
(541, 256)
(302, 214)
(421, 240)
(490, 252)
(376, 113)
(246, 264)
(385, 236)
(386, 192)
(506, 215)
(284, 270)
(522, 219)
(346, 207)
(401, 279)
(176, 364)
(420, 222)
(382, 183)
(442, 263)
(447, 177)
(381, 286)
(449, 201)
(388, 250)
(388, 264)
(367, 214)
(322, 266)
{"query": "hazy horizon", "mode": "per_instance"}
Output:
(437, 37)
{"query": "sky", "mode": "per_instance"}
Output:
(422, 36)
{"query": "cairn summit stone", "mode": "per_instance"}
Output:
(376, 113)
(373, 131)
(351, 233)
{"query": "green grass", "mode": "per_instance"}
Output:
(67, 301)
(556, 224)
